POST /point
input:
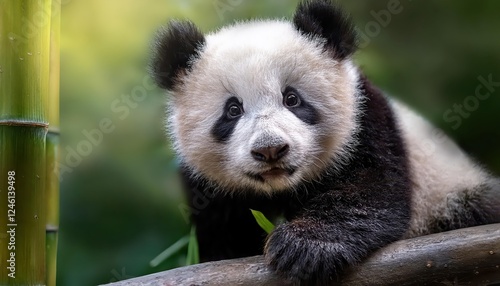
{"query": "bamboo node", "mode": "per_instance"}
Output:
(24, 123)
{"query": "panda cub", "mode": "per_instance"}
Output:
(274, 116)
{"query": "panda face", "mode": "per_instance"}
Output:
(264, 108)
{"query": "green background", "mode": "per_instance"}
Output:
(120, 199)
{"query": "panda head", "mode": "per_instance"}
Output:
(261, 105)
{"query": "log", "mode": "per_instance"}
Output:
(469, 256)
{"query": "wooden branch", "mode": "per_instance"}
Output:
(469, 256)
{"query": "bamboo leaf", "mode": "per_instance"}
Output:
(193, 256)
(171, 250)
(263, 222)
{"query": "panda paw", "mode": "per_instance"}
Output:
(298, 255)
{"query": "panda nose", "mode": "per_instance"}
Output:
(270, 153)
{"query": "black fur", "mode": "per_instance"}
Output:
(304, 111)
(333, 222)
(224, 126)
(326, 20)
(175, 47)
(225, 227)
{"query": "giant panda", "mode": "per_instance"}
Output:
(274, 115)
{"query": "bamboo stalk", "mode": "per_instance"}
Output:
(52, 146)
(24, 72)
(52, 206)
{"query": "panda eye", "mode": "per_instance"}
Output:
(234, 111)
(291, 99)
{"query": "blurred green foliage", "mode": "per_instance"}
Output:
(120, 202)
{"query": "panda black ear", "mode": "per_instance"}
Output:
(175, 48)
(325, 19)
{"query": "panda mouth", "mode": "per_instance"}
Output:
(273, 174)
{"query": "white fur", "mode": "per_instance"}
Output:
(440, 169)
(256, 61)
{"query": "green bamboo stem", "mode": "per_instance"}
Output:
(52, 146)
(24, 86)
(52, 206)
(23, 151)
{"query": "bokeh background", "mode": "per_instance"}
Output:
(120, 194)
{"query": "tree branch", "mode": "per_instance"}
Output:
(466, 256)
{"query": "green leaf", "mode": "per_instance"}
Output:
(167, 253)
(193, 255)
(263, 222)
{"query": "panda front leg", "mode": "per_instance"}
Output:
(334, 232)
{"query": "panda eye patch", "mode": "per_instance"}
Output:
(234, 110)
(291, 98)
(295, 103)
